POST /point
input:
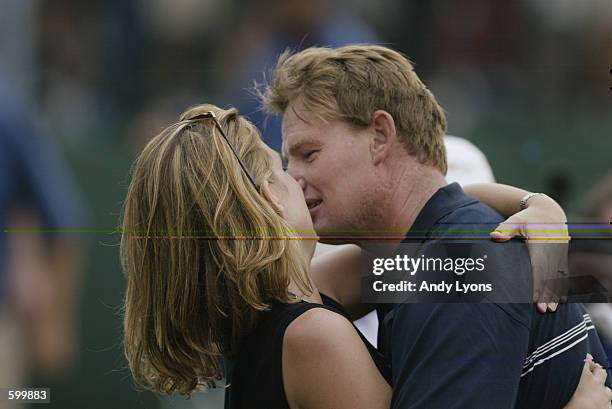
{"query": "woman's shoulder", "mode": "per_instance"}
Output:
(301, 316)
(318, 337)
(317, 320)
(308, 326)
(275, 322)
(324, 358)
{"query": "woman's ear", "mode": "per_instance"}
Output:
(272, 199)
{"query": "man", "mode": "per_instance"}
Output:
(466, 165)
(364, 138)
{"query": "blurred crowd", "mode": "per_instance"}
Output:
(83, 85)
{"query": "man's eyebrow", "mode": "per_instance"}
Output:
(292, 149)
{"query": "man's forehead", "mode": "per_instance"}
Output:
(296, 116)
(298, 128)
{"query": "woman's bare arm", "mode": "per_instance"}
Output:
(592, 392)
(506, 200)
(544, 224)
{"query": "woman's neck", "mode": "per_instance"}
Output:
(314, 297)
(308, 246)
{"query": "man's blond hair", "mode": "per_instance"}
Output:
(351, 82)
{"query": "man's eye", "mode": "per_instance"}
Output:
(309, 154)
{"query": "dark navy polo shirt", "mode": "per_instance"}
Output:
(482, 355)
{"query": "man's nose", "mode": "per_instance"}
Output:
(302, 183)
(295, 175)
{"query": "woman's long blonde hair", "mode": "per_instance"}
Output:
(201, 252)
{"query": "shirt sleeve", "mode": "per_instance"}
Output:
(456, 356)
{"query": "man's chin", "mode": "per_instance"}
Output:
(330, 234)
(335, 240)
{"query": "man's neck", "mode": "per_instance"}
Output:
(406, 199)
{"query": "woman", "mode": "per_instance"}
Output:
(213, 270)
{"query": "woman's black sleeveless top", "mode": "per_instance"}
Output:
(254, 377)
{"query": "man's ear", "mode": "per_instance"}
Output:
(272, 199)
(384, 137)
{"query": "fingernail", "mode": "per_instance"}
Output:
(589, 357)
(552, 306)
(498, 235)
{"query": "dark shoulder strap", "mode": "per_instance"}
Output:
(290, 312)
(330, 302)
